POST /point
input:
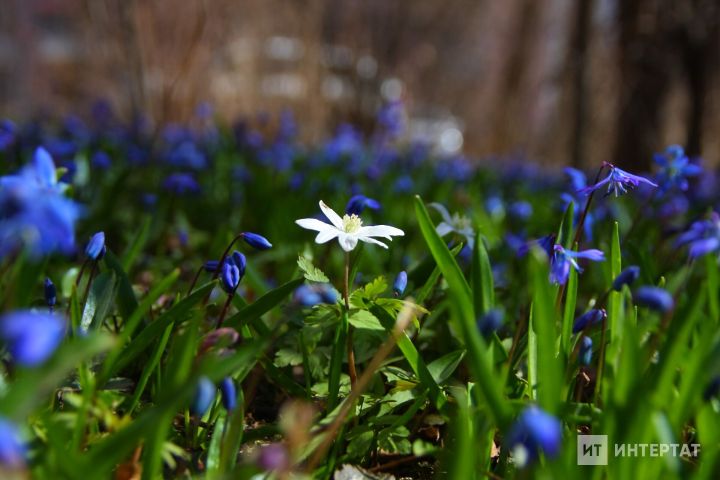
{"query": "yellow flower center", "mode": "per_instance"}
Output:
(351, 223)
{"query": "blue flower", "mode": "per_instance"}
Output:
(400, 283)
(490, 321)
(50, 293)
(95, 248)
(239, 260)
(33, 211)
(589, 318)
(358, 203)
(101, 160)
(181, 184)
(211, 266)
(228, 393)
(520, 210)
(578, 182)
(534, 432)
(31, 337)
(654, 298)
(675, 168)
(563, 259)
(204, 396)
(703, 236)
(626, 277)
(256, 241)
(618, 181)
(585, 352)
(8, 134)
(12, 448)
(311, 295)
(230, 276)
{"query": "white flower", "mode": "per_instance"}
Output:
(348, 229)
(457, 223)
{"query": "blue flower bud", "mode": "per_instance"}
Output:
(31, 337)
(534, 432)
(654, 298)
(12, 448)
(400, 283)
(204, 396)
(307, 296)
(50, 293)
(211, 266)
(328, 294)
(585, 353)
(626, 277)
(228, 393)
(589, 318)
(238, 259)
(490, 321)
(358, 203)
(95, 249)
(230, 276)
(256, 241)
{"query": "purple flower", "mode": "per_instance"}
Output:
(654, 298)
(675, 168)
(238, 259)
(563, 259)
(534, 432)
(311, 295)
(358, 203)
(490, 321)
(589, 318)
(626, 277)
(12, 448)
(618, 181)
(31, 337)
(211, 266)
(703, 236)
(230, 276)
(273, 457)
(181, 183)
(101, 160)
(256, 241)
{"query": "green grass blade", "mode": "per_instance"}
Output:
(482, 279)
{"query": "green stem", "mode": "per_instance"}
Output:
(350, 352)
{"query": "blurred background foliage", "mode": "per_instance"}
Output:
(557, 81)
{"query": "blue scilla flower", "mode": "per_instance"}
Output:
(311, 295)
(703, 237)
(578, 182)
(585, 352)
(31, 337)
(256, 241)
(563, 259)
(50, 293)
(100, 160)
(588, 319)
(400, 283)
(228, 393)
(618, 181)
(520, 210)
(391, 118)
(490, 321)
(34, 214)
(204, 396)
(534, 432)
(239, 260)
(181, 184)
(626, 277)
(358, 203)
(654, 298)
(675, 168)
(95, 249)
(230, 276)
(211, 266)
(12, 448)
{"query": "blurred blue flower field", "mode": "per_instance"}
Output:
(215, 300)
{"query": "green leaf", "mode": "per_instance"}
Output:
(569, 313)
(126, 301)
(443, 367)
(312, 273)
(462, 307)
(261, 306)
(365, 320)
(565, 232)
(100, 299)
(544, 320)
(137, 244)
(482, 279)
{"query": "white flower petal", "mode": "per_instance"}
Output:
(313, 224)
(331, 215)
(443, 229)
(327, 235)
(443, 211)
(347, 242)
(385, 231)
(372, 240)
